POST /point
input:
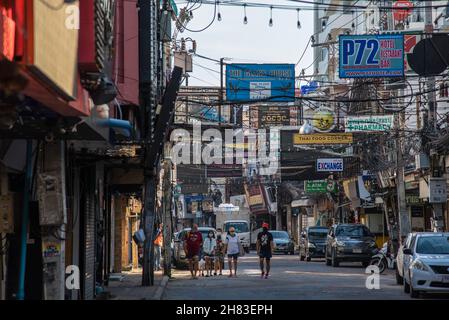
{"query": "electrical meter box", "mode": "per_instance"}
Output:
(437, 190)
(50, 197)
(6, 213)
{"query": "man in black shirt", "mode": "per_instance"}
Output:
(265, 248)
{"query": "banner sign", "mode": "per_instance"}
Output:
(255, 199)
(322, 139)
(262, 117)
(369, 56)
(369, 123)
(274, 82)
(320, 186)
(329, 165)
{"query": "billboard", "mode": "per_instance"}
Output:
(371, 56)
(369, 123)
(262, 117)
(329, 165)
(322, 138)
(320, 186)
(273, 82)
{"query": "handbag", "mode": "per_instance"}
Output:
(241, 249)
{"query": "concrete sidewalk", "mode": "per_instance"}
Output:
(130, 287)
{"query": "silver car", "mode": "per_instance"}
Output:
(426, 266)
(400, 258)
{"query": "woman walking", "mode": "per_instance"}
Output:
(232, 248)
(209, 252)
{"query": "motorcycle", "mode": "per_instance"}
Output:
(383, 259)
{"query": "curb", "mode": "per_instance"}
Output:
(160, 290)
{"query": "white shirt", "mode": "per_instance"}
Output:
(209, 245)
(233, 244)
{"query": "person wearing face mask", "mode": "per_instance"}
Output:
(265, 246)
(192, 246)
(209, 252)
(232, 249)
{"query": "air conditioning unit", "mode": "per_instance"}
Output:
(50, 197)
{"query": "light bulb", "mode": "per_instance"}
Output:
(219, 16)
(299, 24)
(245, 20)
(270, 23)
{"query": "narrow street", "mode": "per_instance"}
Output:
(291, 279)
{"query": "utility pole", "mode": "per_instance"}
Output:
(147, 15)
(166, 216)
(435, 168)
(404, 218)
(221, 96)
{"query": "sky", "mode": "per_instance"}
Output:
(254, 42)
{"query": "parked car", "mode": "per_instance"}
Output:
(351, 243)
(283, 242)
(312, 243)
(400, 258)
(179, 255)
(427, 266)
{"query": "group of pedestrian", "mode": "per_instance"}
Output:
(213, 250)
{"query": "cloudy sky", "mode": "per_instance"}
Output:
(254, 42)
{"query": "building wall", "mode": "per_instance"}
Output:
(120, 234)
(126, 63)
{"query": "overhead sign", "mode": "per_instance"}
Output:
(370, 56)
(270, 116)
(402, 9)
(308, 88)
(273, 82)
(322, 139)
(323, 119)
(329, 165)
(369, 123)
(320, 186)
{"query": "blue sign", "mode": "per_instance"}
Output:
(371, 56)
(311, 87)
(270, 82)
(211, 114)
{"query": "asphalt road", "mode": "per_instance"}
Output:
(290, 279)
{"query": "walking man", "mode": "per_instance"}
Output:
(232, 248)
(265, 246)
(192, 246)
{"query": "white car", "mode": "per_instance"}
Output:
(400, 258)
(427, 266)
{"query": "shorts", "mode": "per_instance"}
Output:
(208, 255)
(265, 255)
(233, 256)
(193, 256)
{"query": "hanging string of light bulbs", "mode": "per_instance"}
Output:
(245, 15)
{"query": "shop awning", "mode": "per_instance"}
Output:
(302, 203)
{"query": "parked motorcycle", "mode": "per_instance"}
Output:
(383, 259)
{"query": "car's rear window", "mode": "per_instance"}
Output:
(352, 231)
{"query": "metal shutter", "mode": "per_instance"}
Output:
(89, 235)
